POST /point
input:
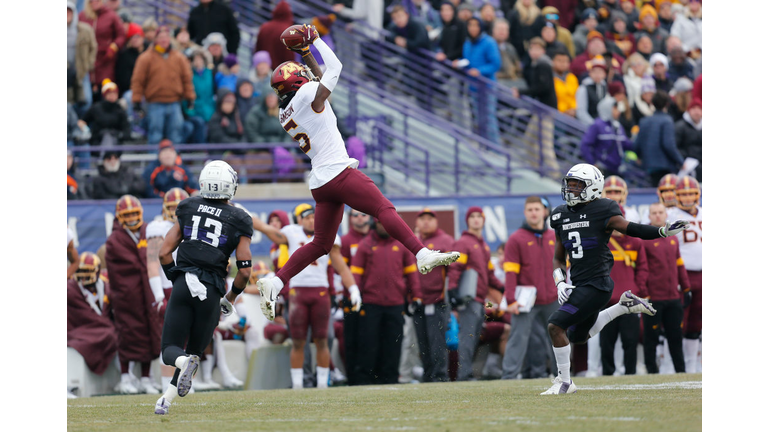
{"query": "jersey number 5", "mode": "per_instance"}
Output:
(577, 251)
(212, 237)
(299, 137)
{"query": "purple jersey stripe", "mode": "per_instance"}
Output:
(569, 308)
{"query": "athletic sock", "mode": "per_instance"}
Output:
(690, 353)
(607, 316)
(279, 283)
(166, 381)
(207, 366)
(170, 393)
(563, 359)
(297, 378)
(422, 253)
(322, 377)
(181, 361)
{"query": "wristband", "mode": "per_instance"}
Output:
(156, 284)
(237, 290)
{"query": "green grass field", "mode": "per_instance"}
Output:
(637, 403)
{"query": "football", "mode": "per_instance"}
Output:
(294, 37)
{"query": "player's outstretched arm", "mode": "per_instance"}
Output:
(645, 232)
(328, 79)
(271, 232)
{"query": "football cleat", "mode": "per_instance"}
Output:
(269, 293)
(186, 375)
(434, 259)
(146, 386)
(231, 382)
(207, 385)
(126, 387)
(560, 387)
(636, 304)
(162, 406)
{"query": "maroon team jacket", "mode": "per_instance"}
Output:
(433, 283)
(376, 266)
(528, 261)
(667, 269)
(630, 266)
(476, 255)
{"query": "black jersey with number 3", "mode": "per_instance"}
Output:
(211, 231)
(581, 229)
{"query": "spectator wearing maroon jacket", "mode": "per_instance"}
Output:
(350, 242)
(269, 34)
(431, 322)
(110, 38)
(474, 263)
(629, 273)
(385, 272)
(665, 284)
(527, 262)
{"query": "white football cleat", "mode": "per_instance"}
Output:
(636, 304)
(162, 406)
(189, 370)
(560, 387)
(126, 387)
(206, 385)
(434, 259)
(232, 382)
(145, 386)
(269, 293)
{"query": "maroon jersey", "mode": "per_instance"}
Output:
(630, 266)
(476, 255)
(668, 269)
(433, 283)
(528, 261)
(381, 267)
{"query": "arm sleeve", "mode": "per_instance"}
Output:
(642, 231)
(332, 64)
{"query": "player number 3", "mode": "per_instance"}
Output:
(299, 137)
(577, 250)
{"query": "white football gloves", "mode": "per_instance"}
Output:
(226, 307)
(354, 297)
(564, 292)
(673, 228)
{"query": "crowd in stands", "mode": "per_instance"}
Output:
(144, 82)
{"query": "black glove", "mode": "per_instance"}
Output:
(413, 307)
(138, 110)
(454, 299)
(687, 296)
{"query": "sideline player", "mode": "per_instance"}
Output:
(211, 229)
(582, 230)
(310, 300)
(334, 181)
(688, 208)
(161, 286)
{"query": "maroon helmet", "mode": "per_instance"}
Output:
(288, 77)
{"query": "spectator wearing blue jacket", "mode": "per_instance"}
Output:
(482, 53)
(604, 143)
(167, 172)
(655, 143)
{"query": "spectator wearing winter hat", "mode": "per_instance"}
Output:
(681, 98)
(566, 83)
(649, 21)
(226, 73)
(246, 97)
(110, 38)
(679, 65)
(183, 42)
(549, 35)
(216, 44)
(632, 13)
(643, 103)
(202, 80)
(538, 74)
(323, 25)
(261, 74)
(126, 60)
(149, 27)
(655, 143)
(163, 78)
(213, 16)
(588, 24)
(660, 68)
(688, 134)
(604, 143)
(564, 36)
(666, 17)
(687, 27)
(115, 179)
(167, 172)
(618, 37)
(226, 125)
(270, 31)
(262, 124)
(106, 118)
(591, 91)
(595, 47)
